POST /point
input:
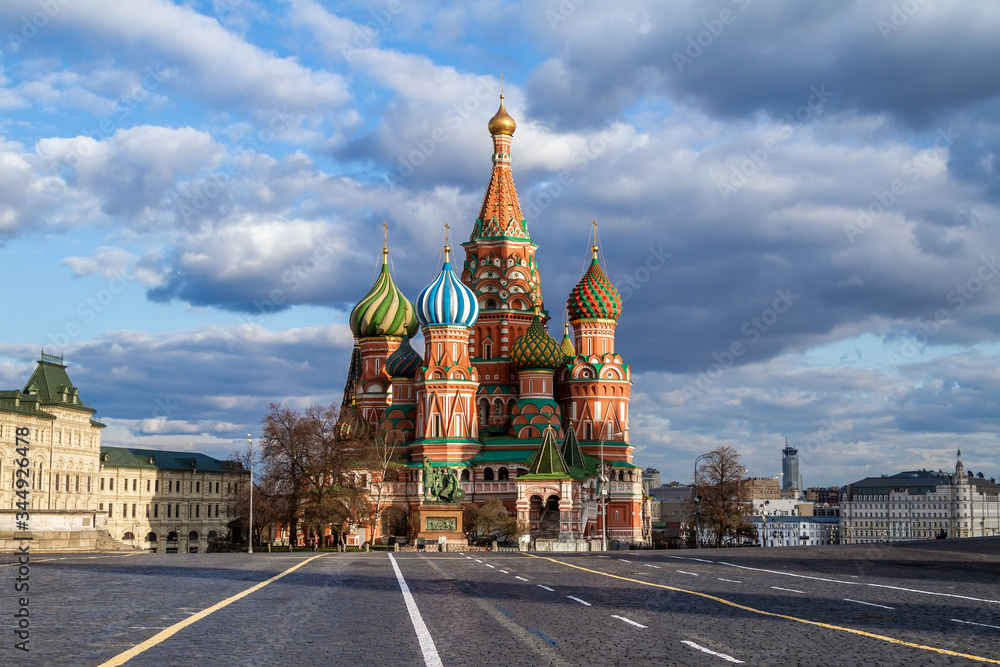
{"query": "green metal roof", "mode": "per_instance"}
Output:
(156, 459)
(623, 464)
(549, 462)
(505, 456)
(439, 464)
(52, 385)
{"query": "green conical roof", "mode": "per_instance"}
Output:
(571, 451)
(567, 347)
(549, 460)
(384, 311)
(536, 349)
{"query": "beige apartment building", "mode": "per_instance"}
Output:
(77, 492)
(169, 502)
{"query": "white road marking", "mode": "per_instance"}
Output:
(488, 565)
(583, 602)
(789, 574)
(628, 620)
(693, 574)
(947, 595)
(551, 590)
(732, 581)
(624, 561)
(477, 560)
(604, 556)
(711, 652)
(995, 627)
(857, 583)
(703, 560)
(431, 657)
(521, 578)
(790, 590)
(505, 571)
(656, 566)
(870, 604)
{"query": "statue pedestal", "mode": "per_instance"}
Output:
(439, 520)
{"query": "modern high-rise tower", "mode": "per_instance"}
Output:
(791, 479)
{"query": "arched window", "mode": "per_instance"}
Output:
(588, 431)
(488, 475)
(172, 536)
(484, 410)
(487, 350)
(151, 538)
(465, 475)
(193, 536)
(491, 304)
(502, 474)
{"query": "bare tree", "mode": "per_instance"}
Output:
(307, 453)
(491, 521)
(268, 500)
(725, 499)
(381, 458)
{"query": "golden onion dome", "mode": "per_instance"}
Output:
(502, 123)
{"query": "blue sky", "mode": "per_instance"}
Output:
(798, 201)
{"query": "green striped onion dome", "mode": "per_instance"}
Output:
(536, 349)
(404, 362)
(384, 311)
(594, 296)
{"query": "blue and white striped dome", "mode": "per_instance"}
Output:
(447, 300)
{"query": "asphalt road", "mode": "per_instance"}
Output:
(916, 604)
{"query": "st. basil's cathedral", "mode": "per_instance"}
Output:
(495, 399)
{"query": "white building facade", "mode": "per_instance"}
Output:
(920, 505)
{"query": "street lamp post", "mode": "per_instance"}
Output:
(605, 491)
(250, 536)
(697, 502)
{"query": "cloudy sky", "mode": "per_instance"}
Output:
(799, 202)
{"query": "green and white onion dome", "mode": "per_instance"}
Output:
(384, 311)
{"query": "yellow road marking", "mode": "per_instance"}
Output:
(828, 626)
(122, 658)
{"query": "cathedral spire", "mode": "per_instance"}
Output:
(500, 214)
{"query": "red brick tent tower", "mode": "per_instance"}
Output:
(501, 270)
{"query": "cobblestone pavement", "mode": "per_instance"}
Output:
(919, 603)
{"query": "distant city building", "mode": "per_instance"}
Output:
(675, 493)
(829, 495)
(796, 531)
(650, 480)
(791, 479)
(919, 505)
(763, 488)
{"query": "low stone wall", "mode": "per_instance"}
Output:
(51, 540)
(567, 545)
(53, 530)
